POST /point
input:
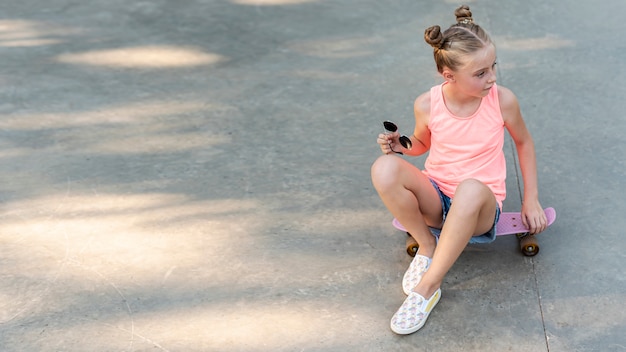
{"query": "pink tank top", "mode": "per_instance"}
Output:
(467, 147)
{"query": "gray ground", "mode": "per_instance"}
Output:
(194, 176)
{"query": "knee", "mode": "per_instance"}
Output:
(473, 191)
(385, 171)
(471, 185)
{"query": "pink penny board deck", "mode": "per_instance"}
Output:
(509, 223)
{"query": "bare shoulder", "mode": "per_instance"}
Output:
(509, 105)
(507, 97)
(421, 107)
(422, 102)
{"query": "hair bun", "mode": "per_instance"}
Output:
(433, 36)
(463, 15)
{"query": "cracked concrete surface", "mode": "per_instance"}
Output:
(194, 176)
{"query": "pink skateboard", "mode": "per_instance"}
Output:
(509, 224)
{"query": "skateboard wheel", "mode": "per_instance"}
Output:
(529, 246)
(411, 245)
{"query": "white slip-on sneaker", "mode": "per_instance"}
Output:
(414, 273)
(412, 314)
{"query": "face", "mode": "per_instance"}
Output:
(476, 77)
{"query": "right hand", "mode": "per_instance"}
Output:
(533, 216)
(389, 142)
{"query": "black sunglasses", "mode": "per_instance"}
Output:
(404, 140)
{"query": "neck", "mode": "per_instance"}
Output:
(456, 97)
(459, 103)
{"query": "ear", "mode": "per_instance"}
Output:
(448, 75)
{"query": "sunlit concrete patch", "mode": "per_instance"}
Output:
(27, 33)
(526, 44)
(336, 48)
(144, 57)
(133, 113)
(143, 231)
(143, 127)
(187, 324)
(281, 324)
(155, 139)
(275, 324)
(75, 241)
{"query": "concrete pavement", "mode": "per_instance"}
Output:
(194, 176)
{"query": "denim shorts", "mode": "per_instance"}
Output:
(446, 202)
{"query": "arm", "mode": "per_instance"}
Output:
(420, 139)
(421, 134)
(532, 212)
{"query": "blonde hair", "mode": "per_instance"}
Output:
(462, 38)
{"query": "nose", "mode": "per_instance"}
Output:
(492, 76)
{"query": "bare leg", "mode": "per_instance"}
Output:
(472, 214)
(410, 197)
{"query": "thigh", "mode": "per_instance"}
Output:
(390, 172)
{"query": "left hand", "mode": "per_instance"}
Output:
(534, 217)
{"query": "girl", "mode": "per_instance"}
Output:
(461, 123)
